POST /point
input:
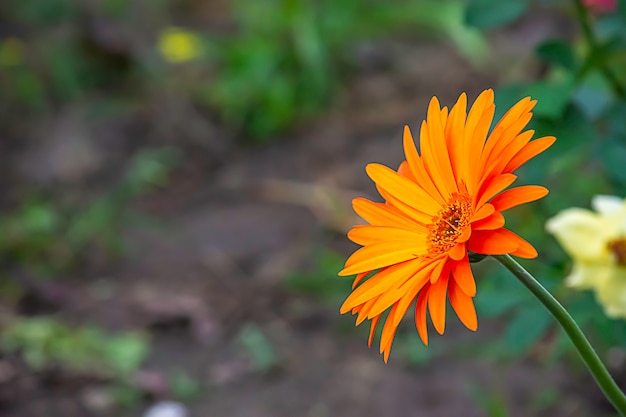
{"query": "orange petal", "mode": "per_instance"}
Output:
(484, 211)
(380, 214)
(517, 196)
(402, 289)
(529, 151)
(437, 301)
(384, 279)
(434, 149)
(417, 216)
(458, 251)
(373, 325)
(403, 189)
(463, 305)
(380, 255)
(494, 186)
(495, 221)
(389, 331)
(417, 167)
(405, 170)
(510, 149)
(525, 249)
(364, 310)
(492, 242)
(439, 263)
(368, 235)
(463, 277)
(455, 130)
(420, 314)
(413, 288)
(476, 128)
(501, 135)
(359, 277)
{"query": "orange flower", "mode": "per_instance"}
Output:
(440, 204)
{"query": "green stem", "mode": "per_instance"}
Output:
(592, 43)
(588, 355)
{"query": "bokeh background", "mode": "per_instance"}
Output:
(176, 185)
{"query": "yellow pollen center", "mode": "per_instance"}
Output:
(449, 224)
(618, 248)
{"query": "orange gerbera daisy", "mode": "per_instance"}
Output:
(440, 204)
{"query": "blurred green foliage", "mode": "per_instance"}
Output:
(284, 62)
(183, 386)
(44, 342)
(258, 348)
(48, 238)
(288, 58)
(321, 281)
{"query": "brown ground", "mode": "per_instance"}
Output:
(234, 222)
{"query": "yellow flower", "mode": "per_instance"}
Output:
(597, 244)
(179, 45)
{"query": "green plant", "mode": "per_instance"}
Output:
(289, 58)
(48, 238)
(45, 341)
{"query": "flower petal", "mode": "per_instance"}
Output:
(612, 293)
(492, 242)
(368, 235)
(495, 186)
(437, 301)
(402, 289)
(606, 205)
(420, 314)
(463, 277)
(380, 255)
(463, 305)
(524, 249)
(380, 214)
(589, 275)
(529, 151)
(582, 233)
(457, 252)
(494, 221)
(517, 196)
(417, 167)
(373, 325)
(403, 189)
(389, 277)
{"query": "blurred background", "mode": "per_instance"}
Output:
(176, 185)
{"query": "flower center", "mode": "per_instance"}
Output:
(618, 248)
(449, 223)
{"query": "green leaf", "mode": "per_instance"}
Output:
(594, 96)
(492, 304)
(183, 386)
(552, 98)
(486, 14)
(126, 352)
(529, 325)
(258, 347)
(614, 158)
(557, 52)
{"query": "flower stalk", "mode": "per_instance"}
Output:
(589, 356)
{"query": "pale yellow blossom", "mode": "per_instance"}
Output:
(179, 45)
(596, 241)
